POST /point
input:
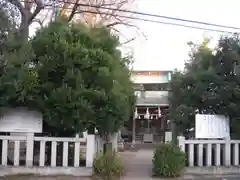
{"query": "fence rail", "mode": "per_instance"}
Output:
(47, 151)
(210, 152)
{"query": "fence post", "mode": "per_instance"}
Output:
(168, 136)
(181, 142)
(227, 152)
(90, 151)
(114, 140)
(29, 146)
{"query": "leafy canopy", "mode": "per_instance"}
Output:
(209, 84)
(76, 77)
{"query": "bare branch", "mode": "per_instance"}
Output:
(121, 22)
(113, 24)
(27, 16)
(102, 16)
(39, 7)
(74, 9)
(128, 41)
(91, 15)
(125, 42)
(28, 5)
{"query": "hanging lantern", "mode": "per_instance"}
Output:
(136, 114)
(147, 115)
(159, 112)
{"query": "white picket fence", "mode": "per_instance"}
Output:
(210, 152)
(47, 151)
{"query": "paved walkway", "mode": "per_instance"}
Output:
(138, 164)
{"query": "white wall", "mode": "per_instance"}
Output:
(157, 94)
(152, 94)
(144, 79)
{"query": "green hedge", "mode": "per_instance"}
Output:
(168, 161)
(108, 166)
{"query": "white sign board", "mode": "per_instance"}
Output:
(211, 126)
(21, 120)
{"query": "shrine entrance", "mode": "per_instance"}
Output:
(148, 125)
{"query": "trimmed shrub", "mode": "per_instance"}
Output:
(108, 166)
(168, 161)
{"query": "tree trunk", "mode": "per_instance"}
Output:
(91, 130)
(25, 10)
(107, 146)
(23, 30)
(174, 132)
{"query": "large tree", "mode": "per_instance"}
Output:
(208, 85)
(76, 77)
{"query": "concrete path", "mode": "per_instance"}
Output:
(138, 164)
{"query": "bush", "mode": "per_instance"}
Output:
(108, 166)
(168, 161)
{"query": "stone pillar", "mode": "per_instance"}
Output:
(227, 155)
(114, 140)
(168, 136)
(90, 151)
(30, 146)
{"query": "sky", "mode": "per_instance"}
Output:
(165, 47)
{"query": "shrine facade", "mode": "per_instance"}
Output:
(150, 120)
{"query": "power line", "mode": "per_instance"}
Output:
(167, 23)
(153, 15)
(160, 22)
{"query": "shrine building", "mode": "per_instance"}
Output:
(150, 120)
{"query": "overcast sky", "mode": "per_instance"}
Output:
(166, 46)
